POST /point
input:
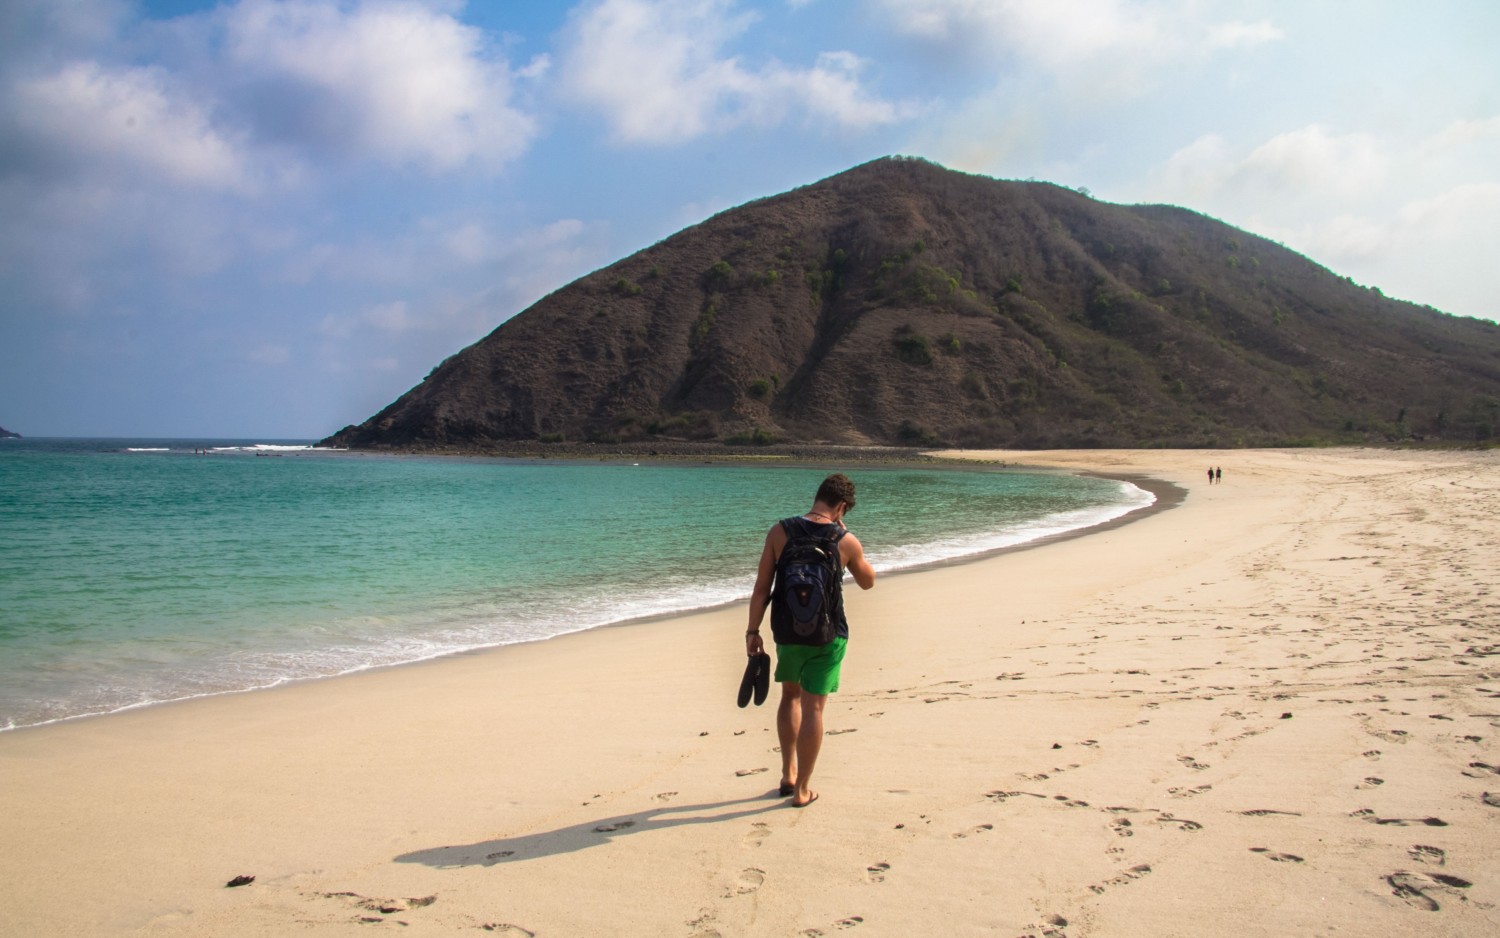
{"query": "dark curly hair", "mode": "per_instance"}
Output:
(835, 489)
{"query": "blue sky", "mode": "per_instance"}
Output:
(267, 218)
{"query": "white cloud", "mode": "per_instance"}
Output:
(1099, 49)
(103, 121)
(832, 89)
(1239, 35)
(1309, 162)
(1312, 159)
(1416, 217)
(391, 318)
(395, 80)
(658, 71)
(1059, 33)
(1431, 250)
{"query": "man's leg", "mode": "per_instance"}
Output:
(788, 722)
(809, 742)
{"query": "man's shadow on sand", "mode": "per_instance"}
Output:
(585, 835)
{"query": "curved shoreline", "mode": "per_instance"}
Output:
(1165, 494)
(1288, 678)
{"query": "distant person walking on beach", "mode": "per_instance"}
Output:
(1210, 475)
(800, 578)
(1218, 476)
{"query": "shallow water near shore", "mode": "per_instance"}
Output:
(143, 571)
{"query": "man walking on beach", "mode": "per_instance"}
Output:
(807, 673)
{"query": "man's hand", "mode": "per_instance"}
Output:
(753, 644)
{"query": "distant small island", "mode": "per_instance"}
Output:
(7, 435)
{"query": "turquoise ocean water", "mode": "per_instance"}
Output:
(139, 571)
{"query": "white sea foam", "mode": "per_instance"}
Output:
(907, 557)
(265, 448)
(147, 449)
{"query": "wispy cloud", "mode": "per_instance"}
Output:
(659, 72)
(1386, 210)
(1236, 34)
(1309, 162)
(1109, 49)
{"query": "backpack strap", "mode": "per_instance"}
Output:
(797, 524)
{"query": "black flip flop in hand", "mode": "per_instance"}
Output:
(757, 679)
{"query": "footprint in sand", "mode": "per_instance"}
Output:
(1365, 814)
(876, 873)
(1422, 853)
(1130, 875)
(1370, 782)
(1007, 795)
(1267, 812)
(1278, 857)
(842, 923)
(1182, 824)
(1416, 888)
(974, 830)
(1490, 798)
(508, 930)
(758, 833)
(741, 773)
(1371, 754)
(1481, 770)
(1192, 763)
(1122, 827)
(616, 826)
(749, 880)
(666, 796)
(383, 906)
(704, 926)
(1189, 792)
(839, 732)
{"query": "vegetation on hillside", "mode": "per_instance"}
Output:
(903, 303)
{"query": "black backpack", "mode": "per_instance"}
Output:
(805, 594)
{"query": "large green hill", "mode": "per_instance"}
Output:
(903, 303)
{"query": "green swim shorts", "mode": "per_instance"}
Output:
(815, 667)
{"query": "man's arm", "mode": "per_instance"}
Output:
(853, 555)
(760, 597)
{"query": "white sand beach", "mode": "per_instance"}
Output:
(1271, 710)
